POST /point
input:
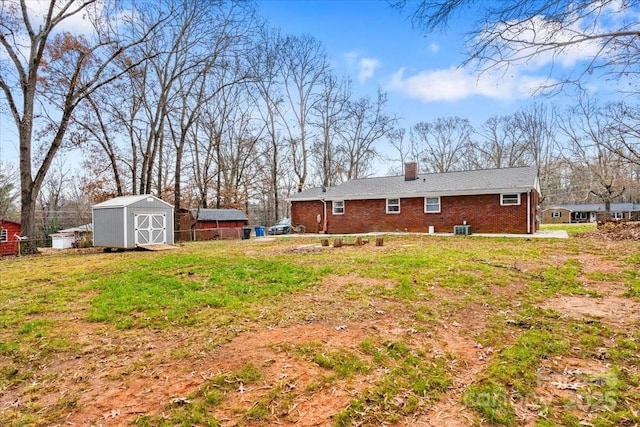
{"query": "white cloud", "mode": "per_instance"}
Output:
(455, 84)
(78, 23)
(363, 66)
(434, 47)
(366, 69)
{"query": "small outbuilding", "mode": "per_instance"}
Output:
(209, 224)
(129, 222)
(9, 237)
(71, 237)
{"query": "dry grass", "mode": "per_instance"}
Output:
(422, 331)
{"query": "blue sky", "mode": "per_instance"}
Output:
(378, 47)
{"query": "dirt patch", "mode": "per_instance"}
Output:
(118, 376)
(117, 393)
(614, 311)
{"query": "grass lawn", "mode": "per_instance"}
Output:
(425, 330)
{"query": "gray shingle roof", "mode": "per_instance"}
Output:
(597, 207)
(485, 181)
(218, 214)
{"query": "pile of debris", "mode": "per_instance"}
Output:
(615, 231)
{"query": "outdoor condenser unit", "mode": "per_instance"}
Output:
(462, 229)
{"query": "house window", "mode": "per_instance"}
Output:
(581, 216)
(617, 215)
(338, 207)
(4, 235)
(509, 199)
(393, 205)
(432, 204)
(556, 214)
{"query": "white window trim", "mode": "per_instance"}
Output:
(393, 212)
(333, 207)
(617, 215)
(556, 214)
(4, 235)
(425, 205)
(509, 204)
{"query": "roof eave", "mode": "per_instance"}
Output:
(451, 193)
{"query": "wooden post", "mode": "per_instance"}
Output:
(359, 241)
(379, 241)
(324, 242)
(337, 243)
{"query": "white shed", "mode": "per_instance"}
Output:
(67, 238)
(62, 241)
(128, 222)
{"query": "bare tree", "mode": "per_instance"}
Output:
(216, 66)
(51, 199)
(304, 67)
(178, 51)
(366, 122)
(8, 194)
(515, 32)
(625, 142)
(402, 146)
(538, 125)
(266, 68)
(443, 143)
(590, 138)
(500, 144)
(330, 112)
(93, 124)
(59, 67)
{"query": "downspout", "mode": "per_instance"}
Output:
(324, 216)
(529, 212)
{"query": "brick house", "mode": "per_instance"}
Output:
(488, 201)
(593, 212)
(9, 233)
(209, 224)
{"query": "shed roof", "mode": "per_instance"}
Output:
(80, 229)
(484, 181)
(9, 221)
(219, 214)
(122, 201)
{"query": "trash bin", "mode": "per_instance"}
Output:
(259, 231)
(246, 233)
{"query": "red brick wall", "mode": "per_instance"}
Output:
(483, 213)
(305, 213)
(10, 247)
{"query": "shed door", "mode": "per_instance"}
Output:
(150, 229)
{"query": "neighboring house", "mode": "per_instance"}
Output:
(71, 237)
(209, 224)
(488, 201)
(128, 222)
(9, 237)
(595, 212)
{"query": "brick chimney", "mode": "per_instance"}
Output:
(410, 171)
